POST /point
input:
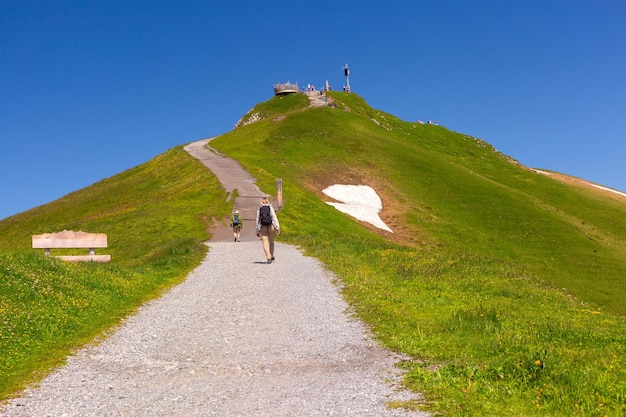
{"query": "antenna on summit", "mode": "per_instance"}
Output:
(346, 72)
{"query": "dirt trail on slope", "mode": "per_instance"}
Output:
(232, 177)
(239, 337)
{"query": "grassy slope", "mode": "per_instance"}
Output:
(470, 282)
(452, 190)
(156, 216)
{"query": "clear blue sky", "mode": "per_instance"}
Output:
(91, 88)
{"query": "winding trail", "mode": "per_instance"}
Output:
(232, 177)
(238, 337)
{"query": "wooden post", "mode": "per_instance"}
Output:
(279, 192)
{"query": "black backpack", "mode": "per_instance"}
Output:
(236, 220)
(265, 215)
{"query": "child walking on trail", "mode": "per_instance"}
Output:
(236, 223)
(266, 226)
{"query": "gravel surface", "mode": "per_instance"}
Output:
(238, 337)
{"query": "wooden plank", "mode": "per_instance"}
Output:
(69, 239)
(85, 258)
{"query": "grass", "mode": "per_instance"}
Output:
(505, 287)
(488, 338)
(156, 216)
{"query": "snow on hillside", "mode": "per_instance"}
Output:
(358, 201)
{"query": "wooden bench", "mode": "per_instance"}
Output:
(71, 239)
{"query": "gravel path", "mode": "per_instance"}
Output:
(232, 177)
(238, 337)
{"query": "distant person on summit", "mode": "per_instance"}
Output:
(266, 226)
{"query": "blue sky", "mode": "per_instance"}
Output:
(92, 88)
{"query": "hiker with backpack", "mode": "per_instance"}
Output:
(266, 226)
(236, 223)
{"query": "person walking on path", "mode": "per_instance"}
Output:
(237, 224)
(266, 226)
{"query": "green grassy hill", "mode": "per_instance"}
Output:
(504, 287)
(446, 190)
(156, 217)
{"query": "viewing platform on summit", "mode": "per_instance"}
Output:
(285, 88)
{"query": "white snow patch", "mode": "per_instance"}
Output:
(542, 172)
(358, 201)
(601, 187)
(608, 189)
